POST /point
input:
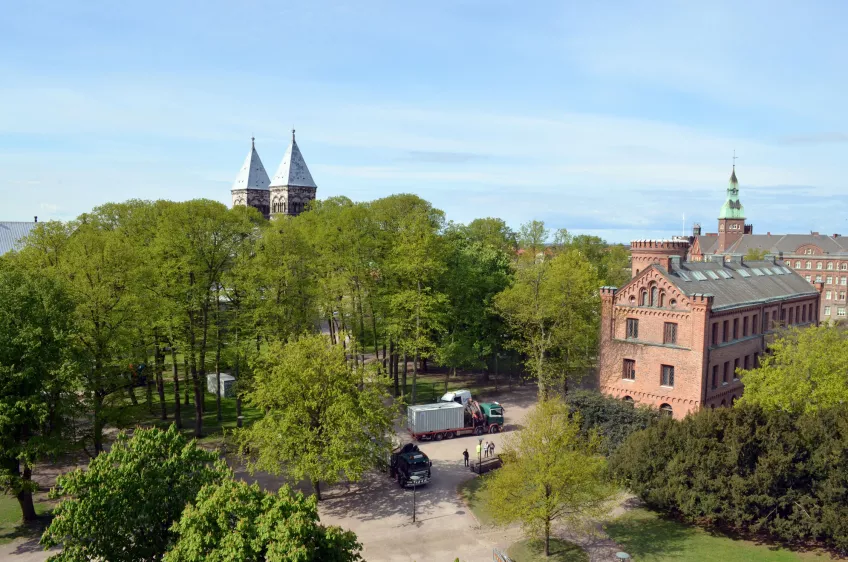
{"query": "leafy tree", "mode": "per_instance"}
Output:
(36, 376)
(493, 233)
(533, 237)
(551, 472)
(324, 417)
(613, 420)
(235, 522)
(804, 371)
(552, 310)
(755, 254)
(122, 507)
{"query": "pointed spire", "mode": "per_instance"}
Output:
(732, 208)
(252, 174)
(293, 170)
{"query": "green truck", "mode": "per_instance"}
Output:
(449, 419)
(409, 466)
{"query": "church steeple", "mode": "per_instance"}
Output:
(731, 218)
(292, 187)
(732, 208)
(251, 185)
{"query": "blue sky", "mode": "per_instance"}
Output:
(611, 118)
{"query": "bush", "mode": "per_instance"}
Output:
(748, 470)
(614, 420)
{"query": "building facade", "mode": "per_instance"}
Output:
(816, 257)
(677, 334)
(286, 195)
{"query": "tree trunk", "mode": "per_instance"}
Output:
(159, 367)
(25, 498)
(178, 419)
(415, 375)
(198, 399)
(547, 538)
(218, 354)
(186, 401)
(331, 326)
(393, 367)
(403, 378)
(98, 424)
(131, 391)
(316, 486)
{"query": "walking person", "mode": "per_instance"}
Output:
(465, 456)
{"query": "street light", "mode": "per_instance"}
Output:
(414, 479)
(479, 455)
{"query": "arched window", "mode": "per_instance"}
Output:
(644, 297)
(661, 302)
(712, 406)
(632, 300)
(627, 399)
(732, 399)
(666, 410)
(655, 296)
(672, 303)
(723, 403)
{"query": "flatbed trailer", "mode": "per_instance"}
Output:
(446, 420)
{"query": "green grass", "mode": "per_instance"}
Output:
(122, 413)
(533, 550)
(11, 527)
(647, 537)
(476, 495)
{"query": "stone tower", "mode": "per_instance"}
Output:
(731, 219)
(292, 187)
(251, 185)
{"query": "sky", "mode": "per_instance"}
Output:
(618, 119)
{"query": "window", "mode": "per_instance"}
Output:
(754, 325)
(791, 311)
(818, 265)
(827, 295)
(840, 311)
(667, 378)
(745, 363)
(818, 278)
(673, 303)
(715, 333)
(724, 331)
(628, 399)
(629, 371)
(724, 372)
(661, 303)
(756, 360)
(830, 265)
(654, 296)
(797, 265)
(843, 281)
(632, 328)
(644, 299)
(842, 295)
(736, 328)
(809, 265)
(745, 327)
(844, 266)
(735, 368)
(809, 278)
(765, 322)
(830, 279)
(732, 399)
(666, 410)
(715, 376)
(804, 313)
(827, 311)
(670, 333)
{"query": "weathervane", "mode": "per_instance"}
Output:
(734, 157)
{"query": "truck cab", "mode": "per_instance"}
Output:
(458, 396)
(494, 414)
(409, 466)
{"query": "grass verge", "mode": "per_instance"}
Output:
(11, 527)
(648, 537)
(533, 550)
(476, 496)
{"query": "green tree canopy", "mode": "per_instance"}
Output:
(36, 377)
(324, 417)
(236, 522)
(122, 507)
(805, 370)
(755, 254)
(551, 473)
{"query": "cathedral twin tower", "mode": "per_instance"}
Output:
(287, 194)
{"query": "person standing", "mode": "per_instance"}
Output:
(486, 449)
(465, 456)
(479, 450)
(491, 448)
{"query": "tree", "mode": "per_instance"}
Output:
(235, 522)
(755, 254)
(804, 371)
(36, 377)
(324, 417)
(551, 472)
(552, 310)
(122, 507)
(612, 419)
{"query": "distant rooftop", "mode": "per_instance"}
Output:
(11, 234)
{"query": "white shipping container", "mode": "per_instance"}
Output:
(228, 384)
(435, 417)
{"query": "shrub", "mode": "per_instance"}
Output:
(614, 420)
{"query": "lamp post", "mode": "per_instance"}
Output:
(479, 454)
(414, 480)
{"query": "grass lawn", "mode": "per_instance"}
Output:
(123, 414)
(650, 538)
(532, 550)
(11, 527)
(475, 494)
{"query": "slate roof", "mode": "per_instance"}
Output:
(252, 174)
(739, 284)
(11, 233)
(777, 243)
(293, 170)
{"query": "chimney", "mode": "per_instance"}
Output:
(36, 218)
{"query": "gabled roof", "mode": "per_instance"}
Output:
(739, 284)
(11, 233)
(252, 174)
(777, 243)
(293, 170)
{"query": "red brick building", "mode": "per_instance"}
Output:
(819, 258)
(676, 334)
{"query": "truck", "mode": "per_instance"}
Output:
(458, 396)
(409, 465)
(446, 420)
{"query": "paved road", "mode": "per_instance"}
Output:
(380, 513)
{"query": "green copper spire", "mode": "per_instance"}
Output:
(732, 208)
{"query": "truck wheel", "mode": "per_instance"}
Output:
(449, 435)
(494, 429)
(437, 437)
(478, 430)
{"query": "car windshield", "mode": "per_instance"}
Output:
(417, 459)
(496, 411)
